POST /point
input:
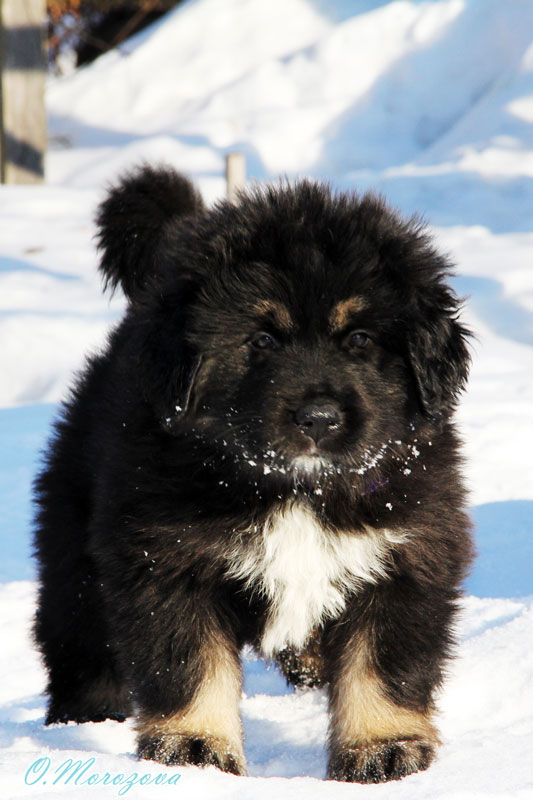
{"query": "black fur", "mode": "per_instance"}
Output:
(180, 440)
(132, 223)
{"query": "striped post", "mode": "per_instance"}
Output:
(23, 72)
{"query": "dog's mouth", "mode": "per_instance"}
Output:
(303, 463)
(316, 440)
(311, 464)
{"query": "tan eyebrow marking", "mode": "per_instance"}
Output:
(279, 312)
(340, 314)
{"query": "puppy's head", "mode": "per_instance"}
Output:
(298, 330)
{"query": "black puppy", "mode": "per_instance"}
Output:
(263, 453)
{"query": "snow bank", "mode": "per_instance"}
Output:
(429, 101)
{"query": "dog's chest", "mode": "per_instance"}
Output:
(304, 572)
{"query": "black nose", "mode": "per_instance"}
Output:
(318, 418)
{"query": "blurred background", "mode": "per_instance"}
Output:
(429, 102)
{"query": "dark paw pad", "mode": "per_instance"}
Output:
(380, 762)
(181, 749)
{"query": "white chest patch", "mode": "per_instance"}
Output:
(305, 571)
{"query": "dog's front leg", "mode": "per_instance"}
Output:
(384, 663)
(189, 704)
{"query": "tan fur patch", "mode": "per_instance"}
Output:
(278, 311)
(362, 714)
(213, 713)
(341, 313)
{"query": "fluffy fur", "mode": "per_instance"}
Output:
(263, 453)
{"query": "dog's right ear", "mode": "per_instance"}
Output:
(131, 223)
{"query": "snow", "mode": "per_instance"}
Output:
(486, 724)
(428, 101)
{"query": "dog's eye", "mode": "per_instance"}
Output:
(358, 340)
(263, 341)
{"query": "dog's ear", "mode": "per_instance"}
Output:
(131, 223)
(167, 363)
(438, 353)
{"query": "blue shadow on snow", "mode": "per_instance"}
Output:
(504, 540)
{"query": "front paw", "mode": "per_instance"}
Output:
(184, 748)
(381, 761)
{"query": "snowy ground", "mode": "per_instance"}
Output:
(432, 103)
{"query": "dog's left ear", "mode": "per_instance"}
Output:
(438, 353)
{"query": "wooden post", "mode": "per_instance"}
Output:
(23, 72)
(235, 175)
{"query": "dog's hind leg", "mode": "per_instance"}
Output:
(84, 682)
(71, 629)
(303, 668)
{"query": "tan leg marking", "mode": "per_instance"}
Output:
(212, 715)
(362, 713)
